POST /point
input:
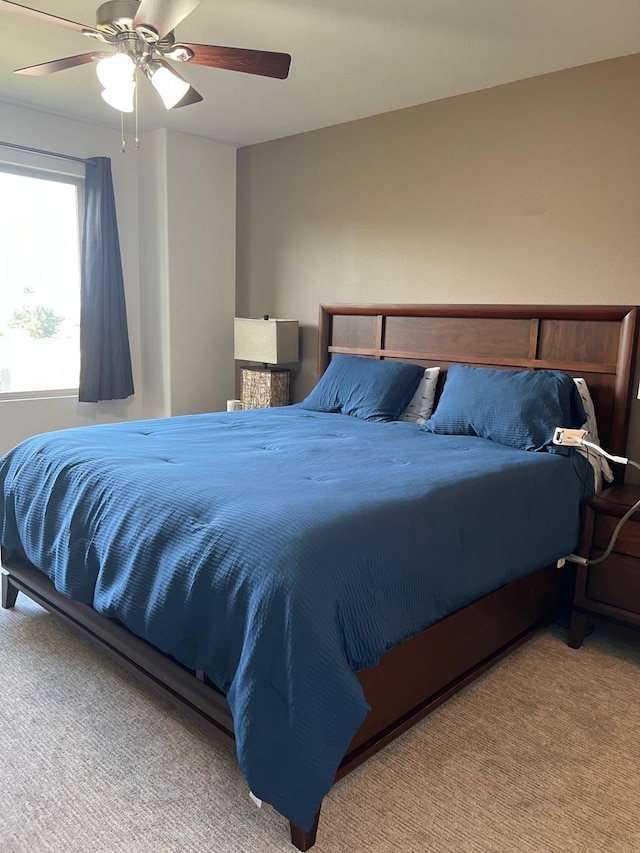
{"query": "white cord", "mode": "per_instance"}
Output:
(583, 561)
(621, 459)
(618, 526)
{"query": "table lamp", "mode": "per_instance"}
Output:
(270, 342)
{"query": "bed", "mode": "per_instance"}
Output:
(379, 681)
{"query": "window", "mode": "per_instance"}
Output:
(39, 282)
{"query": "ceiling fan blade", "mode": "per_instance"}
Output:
(56, 65)
(35, 14)
(266, 63)
(163, 15)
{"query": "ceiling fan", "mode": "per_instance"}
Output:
(140, 35)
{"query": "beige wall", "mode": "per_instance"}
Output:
(528, 192)
(187, 189)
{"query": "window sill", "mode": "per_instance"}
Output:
(19, 396)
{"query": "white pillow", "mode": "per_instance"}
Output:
(421, 405)
(599, 463)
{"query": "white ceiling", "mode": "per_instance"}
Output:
(350, 58)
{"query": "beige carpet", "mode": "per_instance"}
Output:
(541, 754)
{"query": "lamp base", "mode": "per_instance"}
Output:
(263, 387)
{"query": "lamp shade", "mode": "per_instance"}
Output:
(269, 341)
(115, 70)
(120, 97)
(169, 85)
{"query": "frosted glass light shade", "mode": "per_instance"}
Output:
(169, 86)
(268, 341)
(115, 70)
(120, 97)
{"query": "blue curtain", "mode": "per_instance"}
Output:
(105, 358)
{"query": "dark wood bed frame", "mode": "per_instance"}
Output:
(597, 342)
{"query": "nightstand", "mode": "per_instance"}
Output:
(261, 388)
(610, 590)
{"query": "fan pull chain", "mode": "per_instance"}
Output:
(135, 107)
(123, 146)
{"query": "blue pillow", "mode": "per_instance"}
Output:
(366, 388)
(520, 408)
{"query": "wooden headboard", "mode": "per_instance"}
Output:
(595, 341)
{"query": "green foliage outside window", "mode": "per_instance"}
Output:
(39, 322)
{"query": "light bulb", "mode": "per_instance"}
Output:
(115, 70)
(120, 96)
(168, 85)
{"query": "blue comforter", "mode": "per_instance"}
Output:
(280, 551)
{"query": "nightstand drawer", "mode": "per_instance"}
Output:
(628, 541)
(616, 581)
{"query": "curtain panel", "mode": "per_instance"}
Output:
(105, 357)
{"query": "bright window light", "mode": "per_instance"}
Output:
(39, 283)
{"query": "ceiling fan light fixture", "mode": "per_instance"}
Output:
(168, 85)
(139, 35)
(120, 96)
(116, 70)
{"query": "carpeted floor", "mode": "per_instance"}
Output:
(541, 755)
